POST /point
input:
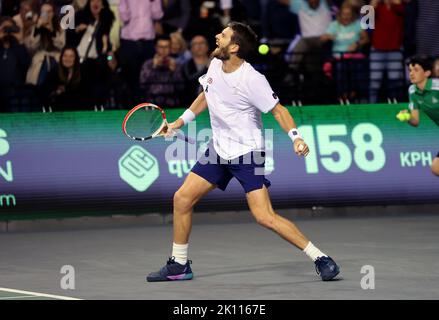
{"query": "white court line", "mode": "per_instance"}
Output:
(17, 297)
(38, 294)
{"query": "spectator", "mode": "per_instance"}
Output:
(314, 16)
(79, 4)
(410, 14)
(226, 7)
(314, 19)
(386, 52)
(160, 78)
(64, 85)
(279, 22)
(45, 43)
(138, 33)
(91, 37)
(14, 59)
(427, 26)
(195, 67)
(176, 16)
(347, 40)
(179, 49)
(204, 20)
(25, 19)
(436, 69)
(119, 95)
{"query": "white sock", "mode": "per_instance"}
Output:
(312, 252)
(179, 252)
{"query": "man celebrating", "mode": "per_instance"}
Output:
(424, 95)
(235, 94)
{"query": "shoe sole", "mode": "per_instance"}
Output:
(179, 277)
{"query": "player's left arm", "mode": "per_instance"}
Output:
(286, 121)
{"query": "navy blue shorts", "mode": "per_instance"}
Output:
(247, 169)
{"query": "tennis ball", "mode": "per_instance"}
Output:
(263, 49)
(403, 116)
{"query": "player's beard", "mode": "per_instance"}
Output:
(221, 53)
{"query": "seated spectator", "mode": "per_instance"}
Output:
(278, 22)
(347, 40)
(195, 68)
(179, 49)
(160, 78)
(137, 36)
(45, 43)
(314, 18)
(64, 85)
(14, 59)
(386, 52)
(25, 19)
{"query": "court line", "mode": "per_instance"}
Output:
(38, 294)
(16, 297)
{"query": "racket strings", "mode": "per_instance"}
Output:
(144, 122)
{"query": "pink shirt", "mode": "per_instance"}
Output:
(138, 18)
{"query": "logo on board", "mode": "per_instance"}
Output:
(138, 168)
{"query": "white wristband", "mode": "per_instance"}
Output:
(294, 134)
(187, 116)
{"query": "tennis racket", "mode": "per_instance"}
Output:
(147, 121)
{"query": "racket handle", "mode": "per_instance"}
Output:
(185, 138)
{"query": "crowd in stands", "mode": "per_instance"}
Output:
(117, 53)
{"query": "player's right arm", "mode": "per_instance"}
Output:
(197, 107)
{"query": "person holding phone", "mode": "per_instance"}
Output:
(25, 19)
(45, 43)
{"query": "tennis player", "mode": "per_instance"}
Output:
(424, 95)
(235, 94)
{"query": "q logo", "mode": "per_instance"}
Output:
(138, 168)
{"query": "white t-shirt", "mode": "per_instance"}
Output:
(235, 101)
(313, 23)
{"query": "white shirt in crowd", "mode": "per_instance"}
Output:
(235, 101)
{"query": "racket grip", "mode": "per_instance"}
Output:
(185, 138)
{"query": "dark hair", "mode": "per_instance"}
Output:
(63, 71)
(106, 16)
(425, 61)
(55, 20)
(164, 37)
(244, 37)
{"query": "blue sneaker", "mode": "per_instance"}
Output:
(326, 268)
(172, 271)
